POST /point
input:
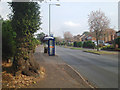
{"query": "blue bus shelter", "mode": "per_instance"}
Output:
(51, 45)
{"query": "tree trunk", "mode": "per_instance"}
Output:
(97, 45)
(27, 67)
(97, 41)
(24, 61)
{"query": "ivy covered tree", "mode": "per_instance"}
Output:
(41, 37)
(1, 20)
(25, 22)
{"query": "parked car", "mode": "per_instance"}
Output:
(106, 44)
(100, 42)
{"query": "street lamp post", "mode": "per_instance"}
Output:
(50, 16)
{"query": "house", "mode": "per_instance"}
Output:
(80, 38)
(86, 36)
(83, 37)
(77, 38)
(107, 37)
(91, 38)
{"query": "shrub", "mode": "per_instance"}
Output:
(117, 41)
(107, 48)
(88, 44)
(84, 44)
(70, 44)
(62, 43)
(34, 43)
(75, 44)
(37, 42)
(79, 44)
(8, 42)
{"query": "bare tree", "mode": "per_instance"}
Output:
(98, 23)
(68, 36)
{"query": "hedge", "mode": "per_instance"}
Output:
(107, 48)
(88, 44)
(8, 41)
(117, 41)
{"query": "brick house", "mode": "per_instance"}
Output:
(77, 38)
(108, 36)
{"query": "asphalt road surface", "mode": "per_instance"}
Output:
(100, 70)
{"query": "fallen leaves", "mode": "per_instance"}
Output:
(20, 81)
(42, 72)
(7, 64)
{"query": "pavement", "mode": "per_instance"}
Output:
(100, 70)
(58, 73)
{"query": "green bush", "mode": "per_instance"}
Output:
(107, 48)
(34, 42)
(64, 43)
(88, 44)
(57, 43)
(8, 42)
(37, 42)
(61, 43)
(117, 41)
(75, 44)
(79, 44)
(69, 44)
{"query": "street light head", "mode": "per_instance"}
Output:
(57, 4)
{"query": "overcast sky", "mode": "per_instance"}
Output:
(71, 16)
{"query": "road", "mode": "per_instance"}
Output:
(100, 70)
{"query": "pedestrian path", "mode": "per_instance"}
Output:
(56, 75)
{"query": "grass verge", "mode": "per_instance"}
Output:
(76, 48)
(100, 52)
